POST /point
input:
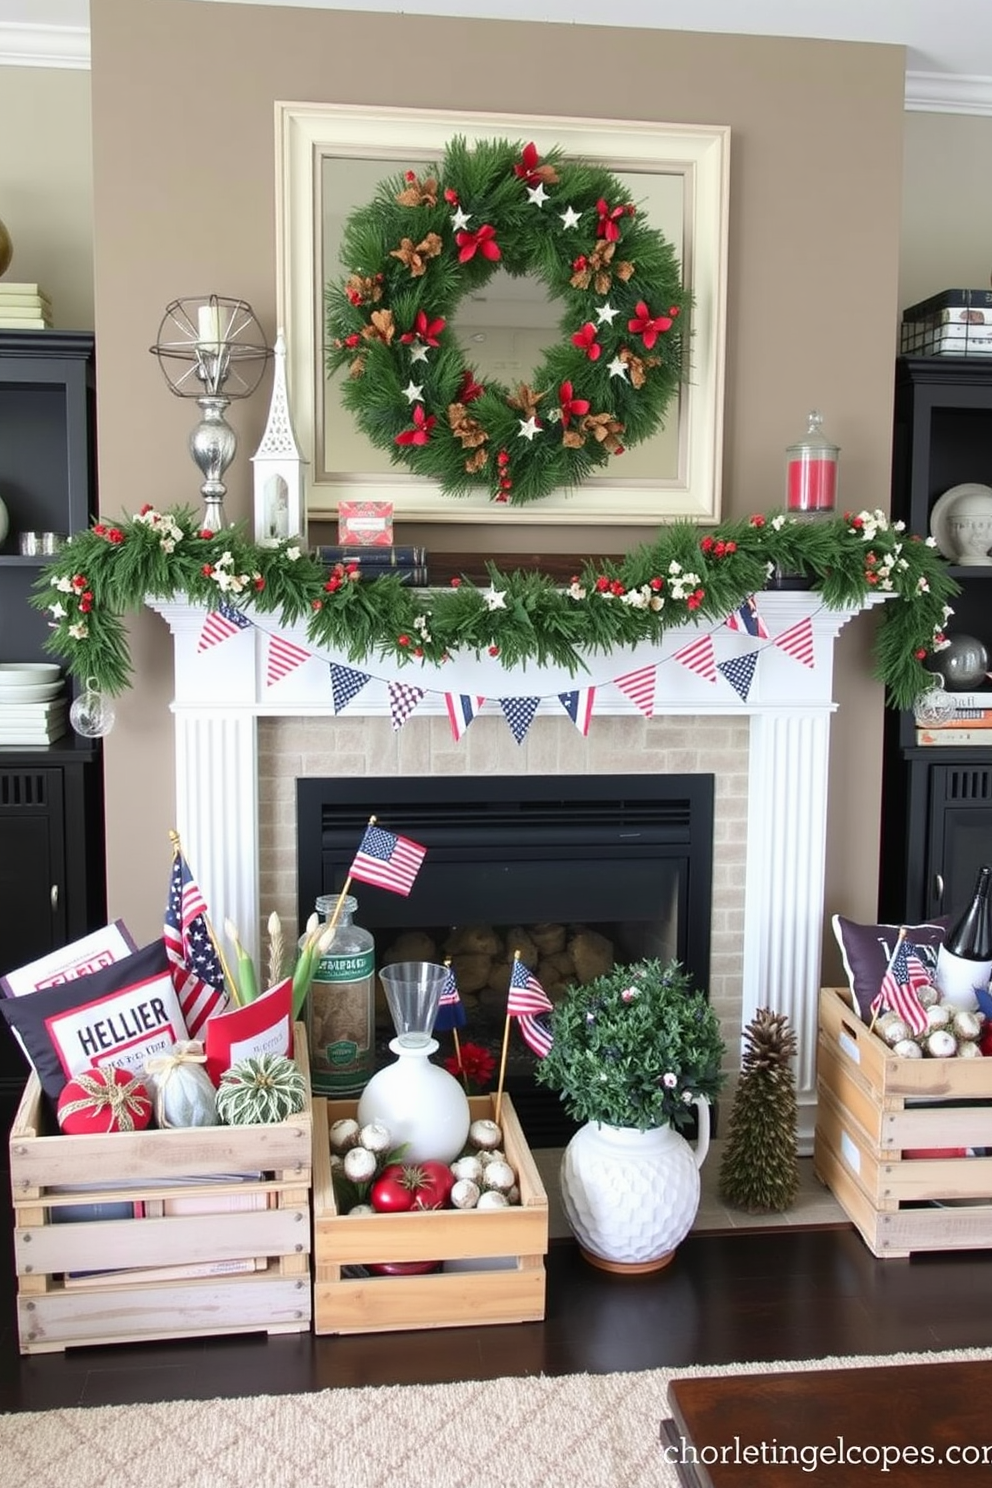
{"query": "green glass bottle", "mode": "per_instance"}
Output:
(341, 1006)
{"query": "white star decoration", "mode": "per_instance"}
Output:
(537, 194)
(495, 599)
(617, 368)
(418, 352)
(570, 217)
(412, 393)
(529, 427)
(606, 314)
(460, 219)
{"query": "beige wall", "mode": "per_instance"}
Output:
(184, 204)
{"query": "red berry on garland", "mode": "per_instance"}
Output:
(403, 640)
(455, 583)
(493, 650)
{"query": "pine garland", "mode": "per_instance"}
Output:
(422, 245)
(108, 571)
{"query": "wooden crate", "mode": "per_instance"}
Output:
(510, 1289)
(141, 1167)
(873, 1108)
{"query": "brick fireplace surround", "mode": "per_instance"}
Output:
(241, 745)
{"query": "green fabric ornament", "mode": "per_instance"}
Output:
(260, 1091)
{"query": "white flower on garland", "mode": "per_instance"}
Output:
(78, 630)
(420, 625)
(778, 522)
(226, 581)
(495, 599)
(575, 590)
(293, 553)
(168, 529)
(644, 598)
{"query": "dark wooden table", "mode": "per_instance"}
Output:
(932, 1423)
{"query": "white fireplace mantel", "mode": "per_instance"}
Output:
(221, 692)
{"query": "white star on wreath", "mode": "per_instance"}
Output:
(412, 393)
(570, 217)
(617, 368)
(606, 314)
(460, 219)
(537, 194)
(529, 427)
(495, 599)
(418, 352)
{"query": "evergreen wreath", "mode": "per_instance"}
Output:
(111, 569)
(422, 244)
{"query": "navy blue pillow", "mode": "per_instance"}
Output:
(867, 951)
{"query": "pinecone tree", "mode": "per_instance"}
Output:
(759, 1171)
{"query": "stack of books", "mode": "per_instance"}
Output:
(33, 724)
(24, 307)
(406, 563)
(969, 727)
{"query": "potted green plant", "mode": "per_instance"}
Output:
(636, 1053)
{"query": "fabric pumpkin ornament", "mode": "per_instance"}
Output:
(260, 1091)
(183, 1091)
(107, 1099)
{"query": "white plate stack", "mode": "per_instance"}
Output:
(34, 710)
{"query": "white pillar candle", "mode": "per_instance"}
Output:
(208, 328)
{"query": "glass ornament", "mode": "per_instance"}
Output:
(962, 663)
(933, 707)
(92, 714)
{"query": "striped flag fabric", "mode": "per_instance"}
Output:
(900, 989)
(578, 705)
(699, 657)
(526, 993)
(450, 1008)
(198, 976)
(387, 861)
(536, 1034)
(284, 657)
(639, 687)
(226, 620)
(462, 708)
(797, 642)
(747, 620)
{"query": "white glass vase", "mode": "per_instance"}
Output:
(631, 1196)
(419, 1103)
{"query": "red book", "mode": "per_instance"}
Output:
(264, 1026)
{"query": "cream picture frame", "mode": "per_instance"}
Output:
(687, 165)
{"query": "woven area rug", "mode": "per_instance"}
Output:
(601, 1431)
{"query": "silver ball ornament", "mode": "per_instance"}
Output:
(92, 714)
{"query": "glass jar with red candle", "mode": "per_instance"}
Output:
(811, 481)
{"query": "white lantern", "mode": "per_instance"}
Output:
(280, 504)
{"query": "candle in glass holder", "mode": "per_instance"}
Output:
(811, 471)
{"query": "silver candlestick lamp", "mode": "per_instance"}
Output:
(211, 348)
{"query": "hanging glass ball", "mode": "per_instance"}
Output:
(92, 714)
(933, 707)
(962, 663)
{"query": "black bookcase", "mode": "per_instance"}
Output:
(937, 801)
(52, 874)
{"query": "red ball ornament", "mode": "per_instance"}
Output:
(104, 1100)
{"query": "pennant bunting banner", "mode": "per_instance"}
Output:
(739, 672)
(797, 642)
(519, 714)
(226, 620)
(402, 702)
(462, 708)
(699, 657)
(284, 657)
(747, 620)
(578, 706)
(639, 687)
(346, 684)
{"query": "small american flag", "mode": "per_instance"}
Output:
(536, 1034)
(900, 988)
(386, 861)
(190, 948)
(526, 993)
(450, 1010)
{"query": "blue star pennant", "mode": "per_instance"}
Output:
(519, 714)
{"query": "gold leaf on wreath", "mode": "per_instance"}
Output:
(464, 427)
(357, 367)
(637, 366)
(417, 257)
(572, 439)
(526, 400)
(363, 289)
(381, 328)
(475, 462)
(605, 429)
(598, 269)
(418, 193)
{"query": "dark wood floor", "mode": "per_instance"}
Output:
(726, 1298)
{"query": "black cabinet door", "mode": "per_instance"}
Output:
(960, 833)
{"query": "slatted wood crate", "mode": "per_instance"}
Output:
(58, 1308)
(872, 1109)
(508, 1245)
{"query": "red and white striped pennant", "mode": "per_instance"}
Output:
(284, 657)
(699, 657)
(797, 642)
(639, 687)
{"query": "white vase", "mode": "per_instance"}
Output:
(631, 1196)
(419, 1103)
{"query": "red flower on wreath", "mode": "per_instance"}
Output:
(470, 389)
(424, 330)
(648, 326)
(609, 217)
(483, 241)
(586, 341)
(423, 423)
(570, 405)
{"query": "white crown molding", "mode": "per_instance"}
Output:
(948, 93)
(44, 46)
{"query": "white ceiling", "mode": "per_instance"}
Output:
(949, 42)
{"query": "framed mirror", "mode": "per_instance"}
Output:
(331, 158)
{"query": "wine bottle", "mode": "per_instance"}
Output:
(964, 961)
